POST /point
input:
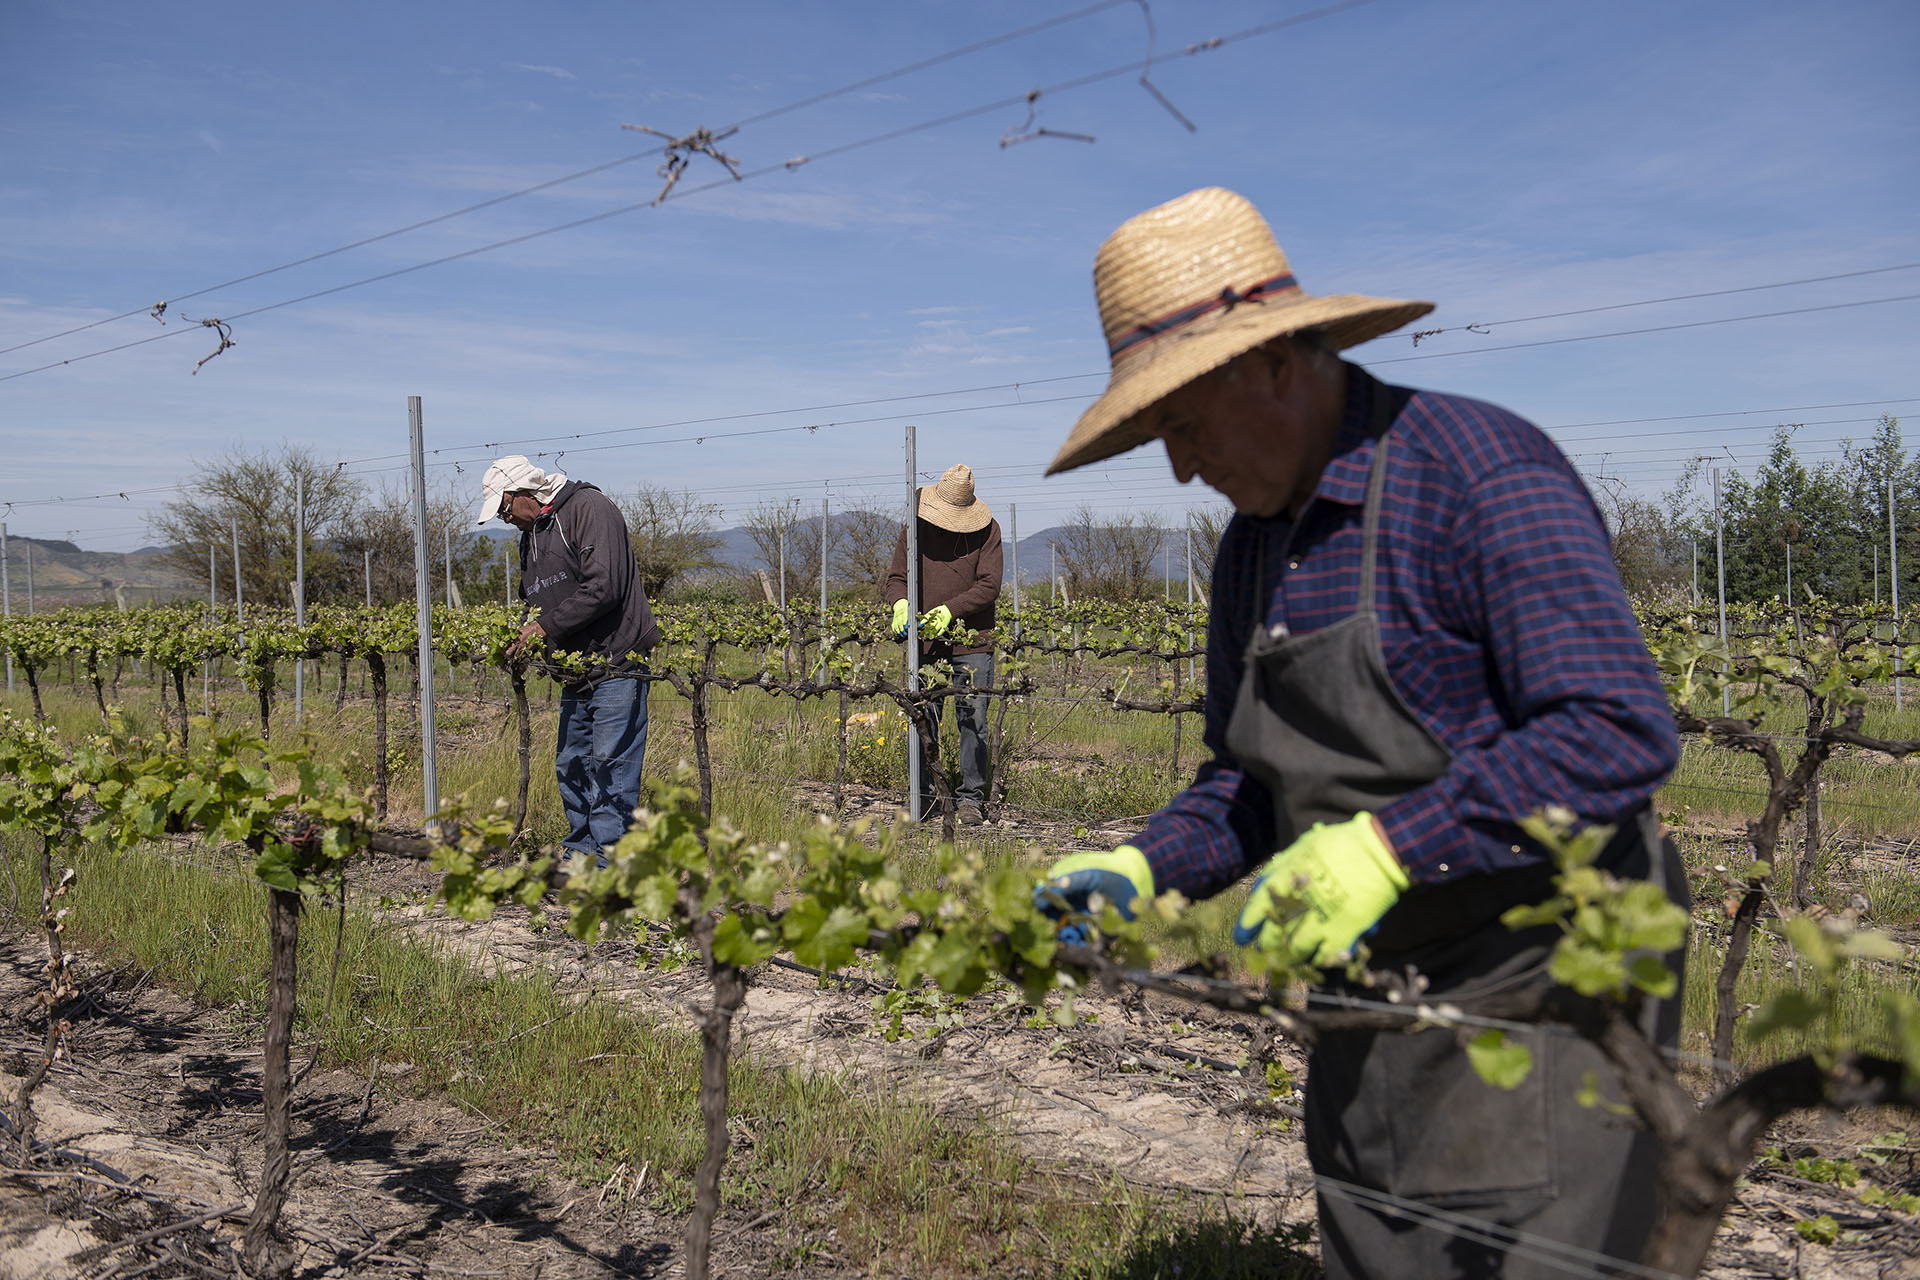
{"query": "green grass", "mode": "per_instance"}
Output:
(1864, 796)
(1771, 967)
(904, 1190)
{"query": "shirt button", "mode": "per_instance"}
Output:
(1514, 847)
(1293, 564)
(1443, 866)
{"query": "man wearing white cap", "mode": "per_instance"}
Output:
(959, 589)
(577, 570)
(1418, 639)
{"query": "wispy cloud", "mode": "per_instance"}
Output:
(213, 144)
(558, 73)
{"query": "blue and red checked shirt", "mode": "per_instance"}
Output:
(1503, 626)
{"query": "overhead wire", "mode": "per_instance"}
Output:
(1479, 326)
(683, 192)
(1658, 328)
(356, 466)
(593, 170)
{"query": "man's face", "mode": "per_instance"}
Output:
(519, 509)
(1248, 430)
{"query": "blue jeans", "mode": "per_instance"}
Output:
(603, 740)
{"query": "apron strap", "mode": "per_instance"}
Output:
(1383, 416)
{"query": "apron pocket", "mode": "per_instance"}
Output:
(1456, 1137)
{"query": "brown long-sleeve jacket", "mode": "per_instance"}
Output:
(958, 570)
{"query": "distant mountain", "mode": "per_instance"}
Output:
(49, 573)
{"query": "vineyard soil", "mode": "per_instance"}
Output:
(167, 1095)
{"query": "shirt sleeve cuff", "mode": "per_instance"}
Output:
(1428, 837)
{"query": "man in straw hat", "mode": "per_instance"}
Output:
(959, 588)
(577, 569)
(1418, 639)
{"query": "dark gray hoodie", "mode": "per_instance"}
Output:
(577, 569)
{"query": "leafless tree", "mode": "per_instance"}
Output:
(771, 523)
(674, 535)
(257, 490)
(1114, 557)
(1209, 523)
(383, 525)
(1648, 549)
(868, 529)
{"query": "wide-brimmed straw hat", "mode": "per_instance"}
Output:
(951, 504)
(1187, 286)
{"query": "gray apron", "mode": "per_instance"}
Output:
(1318, 722)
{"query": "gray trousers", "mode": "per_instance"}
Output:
(970, 670)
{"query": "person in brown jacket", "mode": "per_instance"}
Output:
(959, 587)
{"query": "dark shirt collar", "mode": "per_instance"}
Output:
(1345, 478)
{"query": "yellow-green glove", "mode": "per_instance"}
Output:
(899, 618)
(1346, 875)
(935, 621)
(1119, 877)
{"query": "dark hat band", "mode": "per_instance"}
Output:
(1226, 300)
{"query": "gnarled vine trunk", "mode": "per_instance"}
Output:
(377, 665)
(283, 918)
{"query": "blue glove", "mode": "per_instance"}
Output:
(1119, 877)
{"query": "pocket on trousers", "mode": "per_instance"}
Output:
(1456, 1137)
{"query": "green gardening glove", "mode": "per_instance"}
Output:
(935, 621)
(1119, 877)
(899, 618)
(1346, 875)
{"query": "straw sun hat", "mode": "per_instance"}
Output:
(951, 504)
(1184, 288)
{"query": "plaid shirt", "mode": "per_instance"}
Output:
(1504, 629)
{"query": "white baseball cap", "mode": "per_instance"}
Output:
(516, 473)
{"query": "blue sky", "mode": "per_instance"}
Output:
(1505, 159)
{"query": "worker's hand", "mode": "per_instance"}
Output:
(1347, 877)
(900, 619)
(1118, 877)
(935, 621)
(521, 643)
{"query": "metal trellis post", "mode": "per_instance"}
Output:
(1893, 582)
(213, 603)
(826, 516)
(299, 591)
(6, 597)
(1013, 553)
(423, 610)
(1189, 595)
(913, 622)
(366, 561)
(239, 588)
(1720, 557)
